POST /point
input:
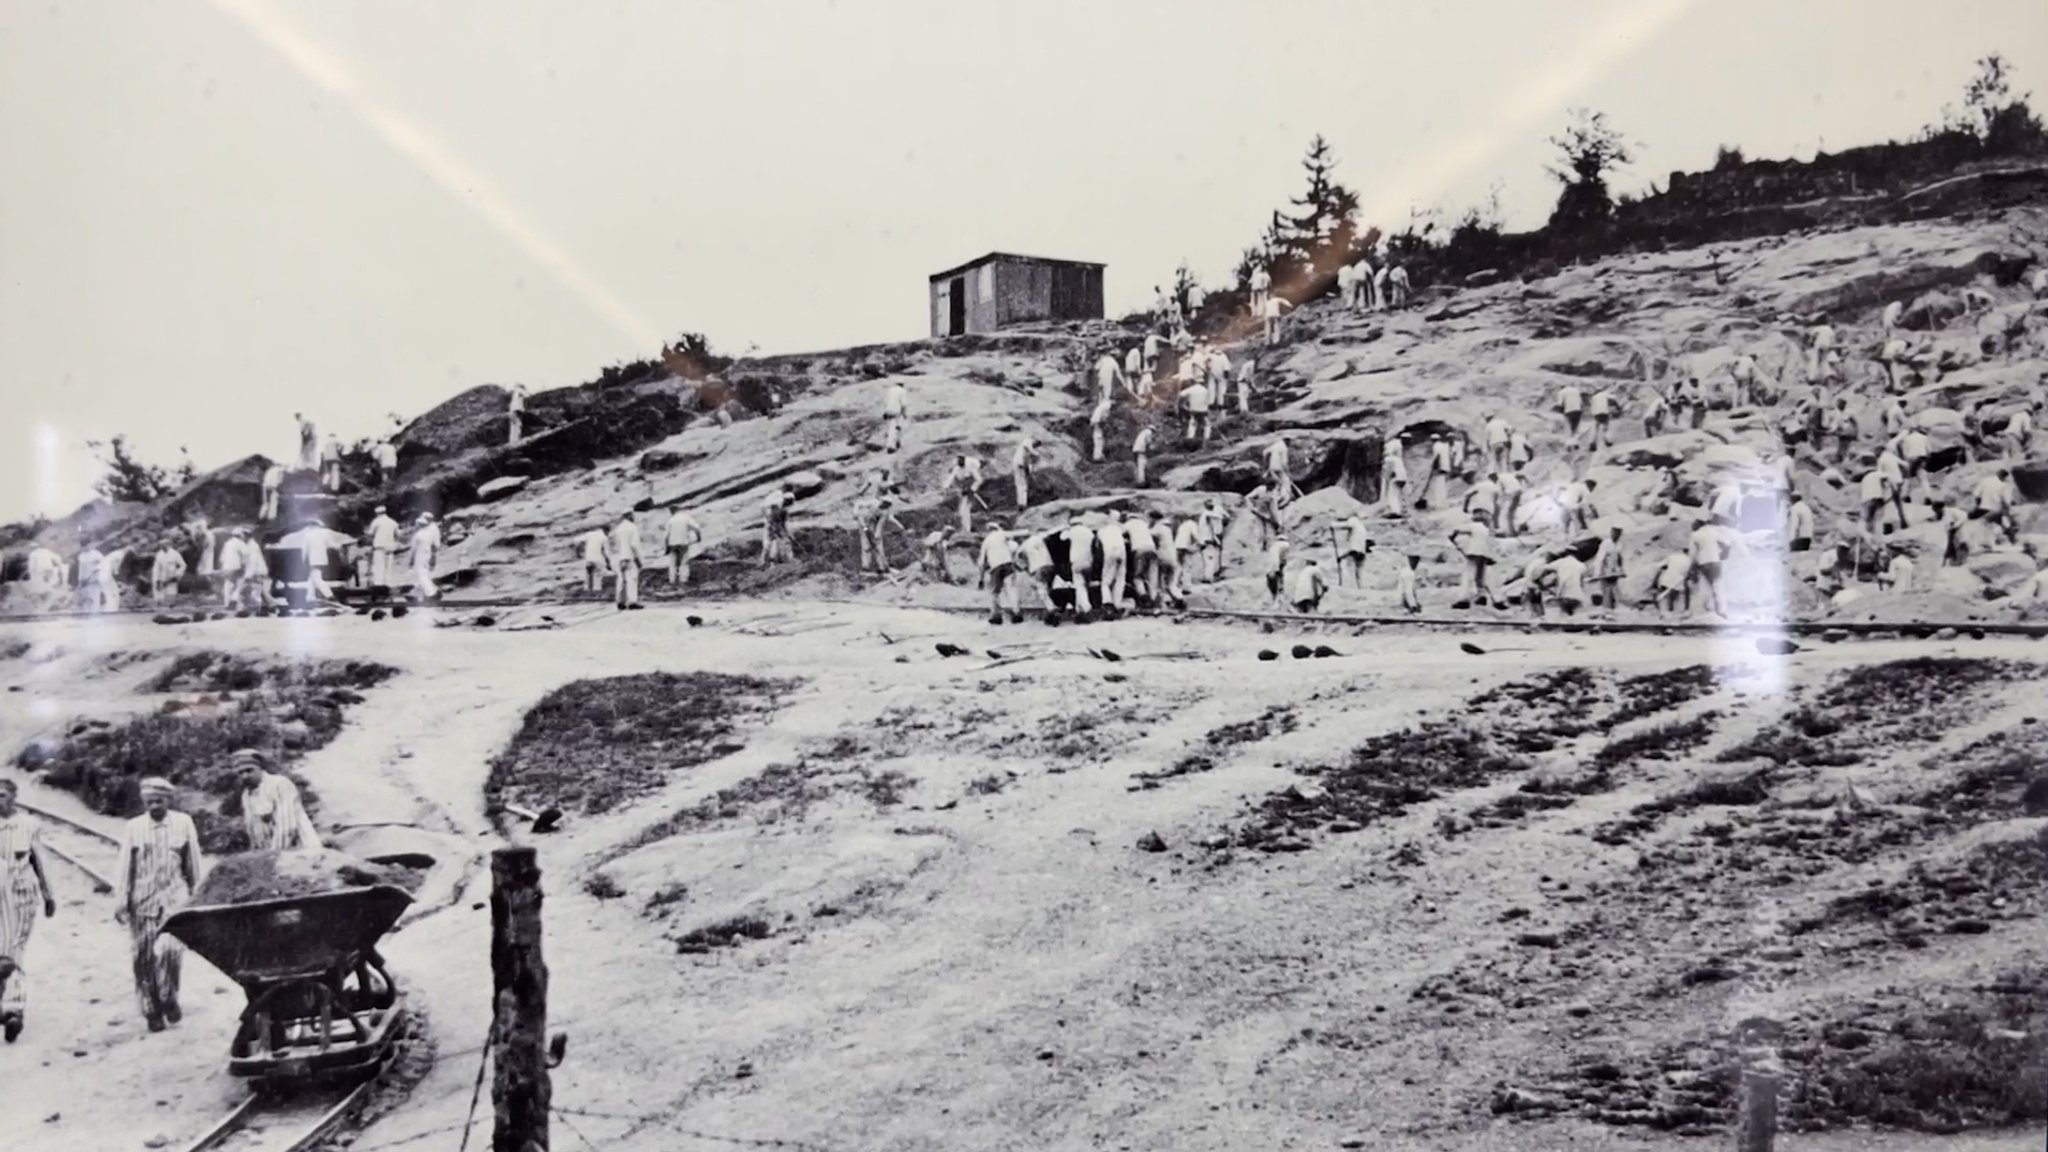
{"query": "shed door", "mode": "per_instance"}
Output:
(1063, 293)
(956, 319)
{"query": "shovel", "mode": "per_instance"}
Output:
(545, 820)
(1472, 649)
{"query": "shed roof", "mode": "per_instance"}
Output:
(994, 256)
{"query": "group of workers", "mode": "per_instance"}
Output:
(1492, 466)
(160, 864)
(236, 567)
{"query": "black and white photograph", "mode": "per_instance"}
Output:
(948, 575)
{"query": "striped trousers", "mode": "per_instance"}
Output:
(19, 906)
(158, 960)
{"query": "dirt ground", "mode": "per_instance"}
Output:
(1148, 904)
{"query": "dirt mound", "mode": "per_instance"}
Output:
(248, 877)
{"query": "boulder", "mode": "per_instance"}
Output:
(1482, 278)
(1930, 311)
(1960, 582)
(805, 483)
(2001, 569)
(1333, 371)
(502, 486)
(663, 460)
(1666, 451)
(1721, 457)
(1318, 508)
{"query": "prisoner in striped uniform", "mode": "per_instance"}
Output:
(159, 868)
(272, 813)
(24, 887)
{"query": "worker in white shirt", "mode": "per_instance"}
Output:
(1897, 576)
(1397, 282)
(166, 568)
(1600, 406)
(1262, 285)
(1496, 442)
(1187, 551)
(1565, 577)
(1167, 586)
(1217, 364)
(383, 536)
(1143, 552)
(1707, 550)
(1394, 475)
(1020, 470)
(1037, 559)
(1571, 402)
(1474, 541)
(777, 545)
(1351, 552)
(1279, 470)
(1096, 421)
(1310, 585)
(255, 571)
(937, 543)
(1405, 576)
(110, 579)
(1134, 368)
(1108, 374)
(1519, 451)
(386, 454)
(318, 546)
(309, 443)
(1111, 540)
(1820, 341)
(426, 550)
(595, 547)
(964, 481)
(1347, 284)
(1194, 400)
(1141, 450)
(229, 566)
(273, 485)
(684, 535)
(330, 463)
(1483, 497)
(1276, 567)
(627, 558)
(1215, 522)
(1871, 489)
(2019, 430)
(515, 414)
(1383, 286)
(870, 516)
(1436, 481)
(994, 569)
(894, 408)
(1080, 541)
(1608, 569)
(1153, 344)
(1994, 500)
(1673, 583)
(1245, 369)
(1508, 516)
(1892, 312)
(1577, 501)
(1270, 312)
(1265, 512)
(1951, 521)
(1656, 410)
(1799, 526)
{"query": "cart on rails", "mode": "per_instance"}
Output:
(321, 1004)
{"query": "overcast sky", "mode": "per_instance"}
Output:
(217, 212)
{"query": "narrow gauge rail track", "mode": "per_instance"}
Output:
(263, 1121)
(1969, 629)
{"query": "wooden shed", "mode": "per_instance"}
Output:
(1001, 289)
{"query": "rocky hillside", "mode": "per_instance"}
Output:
(650, 441)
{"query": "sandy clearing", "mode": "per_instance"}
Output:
(1006, 927)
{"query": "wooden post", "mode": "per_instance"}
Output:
(1758, 1128)
(520, 1091)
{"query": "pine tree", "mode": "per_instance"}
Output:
(1322, 231)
